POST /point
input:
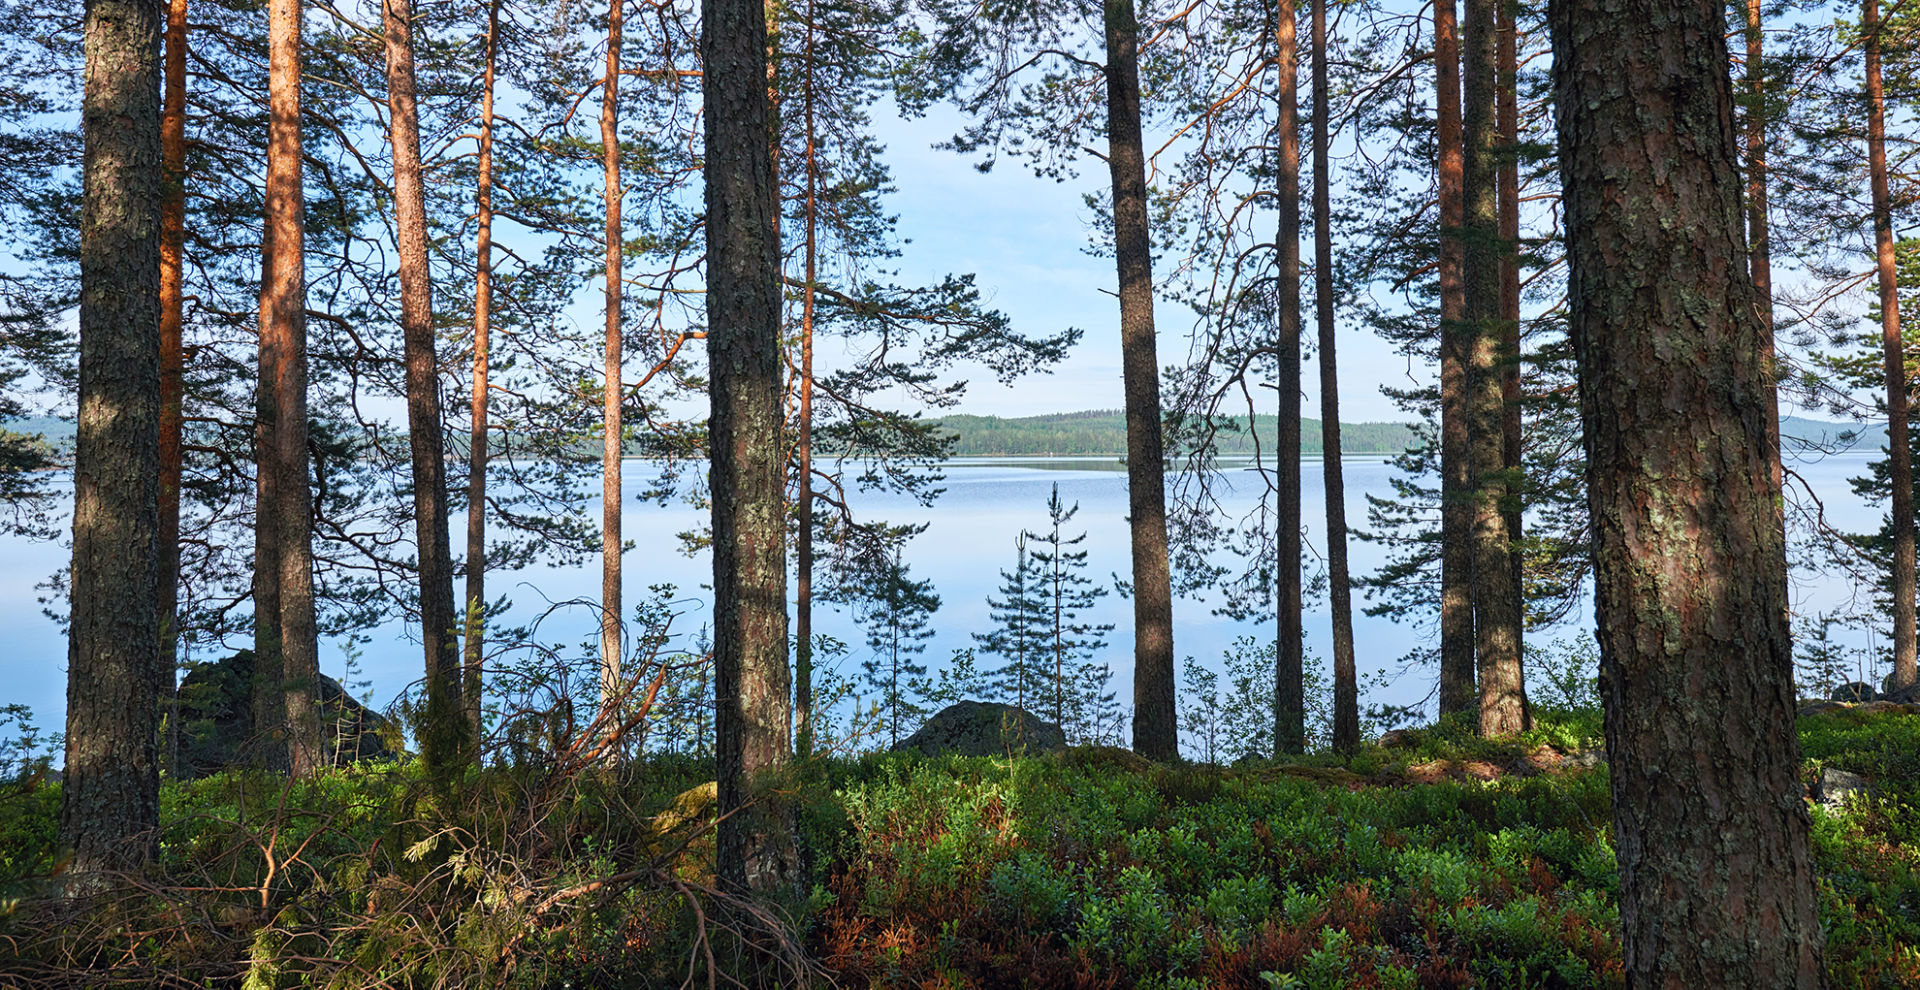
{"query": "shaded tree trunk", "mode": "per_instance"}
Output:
(445, 741)
(283, 308)
(1289, 687)
(475, 659)
(1346, 687)
(1457, 678)
(1716, 880)
(1899, 447)
(803, 557)
(110, 806)
(1507, 121)
(173, 229)
(751, 680)
(1155, 732)
(611, 498)
(1496, 610)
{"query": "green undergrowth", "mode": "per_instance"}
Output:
(1441, 861)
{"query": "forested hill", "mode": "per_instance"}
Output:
(1104, 431)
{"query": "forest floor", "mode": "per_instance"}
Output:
(1443, 861)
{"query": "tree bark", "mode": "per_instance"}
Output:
(1346, 686)
(445, 741)
(751, 680)
(110, 808)
(1496, 624)
(283, 306)
(1289, 687)
(1457, 678)
(1690, 563)
(173, 226)
(1155, 732)
(1507, 122)
(1759, 240)
(803, 557)
(1899, 446)
(475, 620)
(611, 497)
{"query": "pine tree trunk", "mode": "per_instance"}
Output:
(1759, 240)
(1155, 733)
(751, 680)
(1689, 558)
(283, 305)
(1289, 688)
(1899, 446)
(472, 687)
(1457, 678)
(444, 740)
(1507, 120)
(803, 441)
(110, 811)
(611, 497)
(173, 228)
(1346, 686)
(1496, 624)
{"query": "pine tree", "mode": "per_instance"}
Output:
(1067, 594)
(896, 609)
(1020, 619)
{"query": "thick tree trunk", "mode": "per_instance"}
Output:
(611, 497)
(1457, 690)
(445, 741)
(283, 317)
(173, 227)
(110, 807)
(475, 659)
(1346, 686)
(751, 680)
(1899, 446)
(1155, 733)
(1710, 821)
(1289, 687)
(1496, 624)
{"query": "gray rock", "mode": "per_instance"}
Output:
(984, 728)
(1853, 693)
(1836, 786)
(1909, 695)
(216, 721)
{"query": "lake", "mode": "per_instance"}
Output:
(969, 540)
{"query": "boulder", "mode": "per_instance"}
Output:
(984, 728)
(216, 721)
(1836, 786)
(1853, 693)
(1909, 695)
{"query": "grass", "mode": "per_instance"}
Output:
(1446, 861)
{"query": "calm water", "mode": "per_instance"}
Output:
(969, 540)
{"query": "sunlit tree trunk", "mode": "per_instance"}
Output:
(751, 679)
(1457, 679)
(1496, 609)
(611, 497)
(110, 808)
(1899, 449)
(283, 321)
(1696, 664)
(173, 226)
(445, 740)
(1155, 731)
(803, 557)
(472, 688)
